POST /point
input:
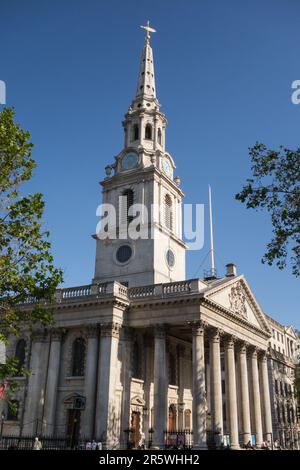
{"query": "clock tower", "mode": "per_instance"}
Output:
(143, 175)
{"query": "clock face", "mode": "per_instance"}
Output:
(166, 166)
(129, 161)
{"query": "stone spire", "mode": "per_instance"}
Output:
(144, 123)
(146, 82)
(146, 91)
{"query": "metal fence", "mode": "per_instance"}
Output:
(48, 443)
(181, 439)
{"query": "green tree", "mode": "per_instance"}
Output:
(275, 187)
(26, 263)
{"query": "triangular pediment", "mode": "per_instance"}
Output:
(236, 296)
(290, 331)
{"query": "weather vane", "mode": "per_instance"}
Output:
(149, 30)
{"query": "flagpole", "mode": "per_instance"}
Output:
(212, 257)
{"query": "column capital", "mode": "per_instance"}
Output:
(92, 331)
(229, 341)
(241, 346)
(57, 334)
(110, 329)
(253, 350)
(127, 333)
(198, 327)
(160, 331)
(262, 355)
(40, 335)
(214, 334)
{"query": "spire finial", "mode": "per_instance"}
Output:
(148, 31)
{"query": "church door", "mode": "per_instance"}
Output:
(73, 427)
(172, 418)
(135, 426)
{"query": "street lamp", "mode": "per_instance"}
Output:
(151, 431)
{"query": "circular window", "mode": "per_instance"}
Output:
(170, 258)
(124, 253)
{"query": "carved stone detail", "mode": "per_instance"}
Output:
(160, 331)
(110, 329)
(198, 327)
(237, 300)
(57, 334)
(92, 331)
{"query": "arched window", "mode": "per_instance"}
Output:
(20, 354)
(187, 420)
(127, 202)
(159, 136)
(78, 357)
(172, 418)
(172, 369)
(135, 132)
(168, 212)
(136, 361)
(148, 132)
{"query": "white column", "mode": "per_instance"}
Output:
(256, 398)
(35, 387)
(216, 386)
(126, 382)
(244, 390)
(266, 396)
(90, 382)
(52, 382)
(106, 413)
(180, 352)
(231, 396)
(160, 386)
(148, 344)
(199, 397)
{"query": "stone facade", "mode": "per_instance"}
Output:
(142, 350)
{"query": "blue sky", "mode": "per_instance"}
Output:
(223, 74)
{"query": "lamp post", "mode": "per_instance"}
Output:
(151, 431)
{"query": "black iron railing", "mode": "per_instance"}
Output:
(179, 439)
(13, 442)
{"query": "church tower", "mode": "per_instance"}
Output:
(143, 174)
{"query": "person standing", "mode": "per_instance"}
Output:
(37, 445)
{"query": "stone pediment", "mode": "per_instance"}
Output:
(236, 296)
(290, 331)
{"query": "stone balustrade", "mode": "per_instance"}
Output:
(134, 293)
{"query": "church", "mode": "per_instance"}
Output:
(142, 355)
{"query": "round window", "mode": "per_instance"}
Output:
(170, 258)
(124, 253)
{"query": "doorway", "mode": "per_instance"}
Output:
(135, 427)
(73, 427)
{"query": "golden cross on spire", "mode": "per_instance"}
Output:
(148, 31)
